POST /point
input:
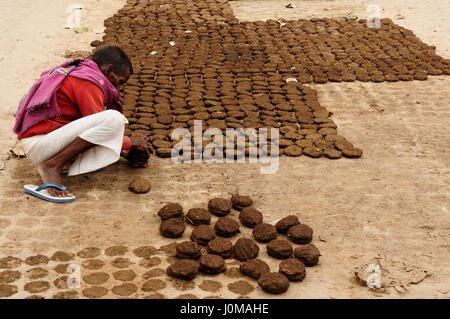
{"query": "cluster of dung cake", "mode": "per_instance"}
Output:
(209, 246)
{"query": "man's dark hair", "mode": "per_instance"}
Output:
(114, 55)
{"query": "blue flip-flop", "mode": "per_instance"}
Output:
(65, 173)
(42, 193)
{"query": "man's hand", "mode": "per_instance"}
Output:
(140, 152)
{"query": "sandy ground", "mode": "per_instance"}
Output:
(392, 204)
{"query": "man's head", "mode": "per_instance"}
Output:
(114, 64)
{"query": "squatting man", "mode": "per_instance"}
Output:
(71, 122)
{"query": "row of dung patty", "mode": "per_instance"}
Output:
(194, 61)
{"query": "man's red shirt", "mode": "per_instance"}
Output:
(76, 99)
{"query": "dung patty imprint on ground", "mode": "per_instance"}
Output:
(155, 296)
(116, 251)
(70, 294)
(61, 282)
(210, 285)
(124, 275)
(150, 262)
(9, 276)
(241, 287)
(61, 268)
(145, 251)
(89, 252)
(36, 273)
(36, 260)
(96, 278)
(121, 262)
(95, 292)
(36, 286)
(62, 256)
(9, 262)
(233, 272)
(125, 289)
(93, 264)
(7, 290)
(152, 273)
(153, 285)
(169, 249)
(35, 297)
(187, 296)
(182, 285)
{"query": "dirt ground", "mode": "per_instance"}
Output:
(392, 205)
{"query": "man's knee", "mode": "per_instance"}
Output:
(114, 119)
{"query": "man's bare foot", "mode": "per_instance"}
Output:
(52, 175)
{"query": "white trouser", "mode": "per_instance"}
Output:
(104, 129)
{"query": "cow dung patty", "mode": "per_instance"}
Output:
(245, 249)
(300, 234)
(239, 202)
(254, 268)
(352, 152)
(186, 269)
(273, 282)
(139, 186)
(172, 210)
(308, 254)
(226, 227)
(280, 249)
(220, 246)
(332, 153)
(188, 250)
(202, 234)
(287, 222)
(264, 233)
(212, 264)
(219, 206)
(198, 216)
(293, 269)
(250, 217)
(172, 228)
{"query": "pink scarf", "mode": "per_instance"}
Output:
(40, 102)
